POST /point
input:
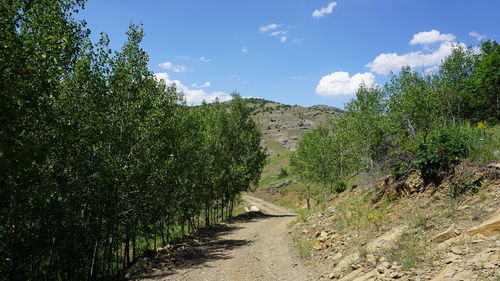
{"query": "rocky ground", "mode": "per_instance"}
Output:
(415, 234)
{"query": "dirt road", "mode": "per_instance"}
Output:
(249, 249)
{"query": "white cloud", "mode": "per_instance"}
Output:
(204, 85)
(244, 50)
(204, 59)
(175, 68)
(429, 37)
(479, 37)
(279, 32)
(193, 97)
(324, 11)
(281, 35)
(385, 63)
(266, 28)
(166, 65)
(340, 83)
(183, 58)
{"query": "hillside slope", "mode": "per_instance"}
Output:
(385, 232)
(283, 125)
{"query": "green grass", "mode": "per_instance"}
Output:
(361, 213)
(272, 170)
(279, 159)
(240, 209)
(485, 146)
(419, 221)
(273, 145)
(483, 196)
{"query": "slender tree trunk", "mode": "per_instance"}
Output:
(308, 196)
(109, 269)
(93, 260)
(231, 208)
(134, 251)
(127, 249)
(51, 256)
(207, 216)
(117, 258)
(168, 234)
(222, 209)
(324, 191)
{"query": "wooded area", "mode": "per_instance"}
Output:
(417, 121)
(99, 160)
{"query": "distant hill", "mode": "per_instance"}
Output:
(283, 125)
(327, 108)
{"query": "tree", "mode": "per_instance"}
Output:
(368, 125)
(40, 41)
(99, 160)
(316, 157)
(483, 95)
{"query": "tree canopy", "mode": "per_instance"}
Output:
(415, 121)
(99, 160)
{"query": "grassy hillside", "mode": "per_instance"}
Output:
(283, 125)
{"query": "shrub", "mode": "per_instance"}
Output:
(400, 170)
(339, 187)
(462, 183)
(283, 173)
(439, 151)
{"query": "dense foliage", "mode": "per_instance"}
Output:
(428, 122)
(100, 161)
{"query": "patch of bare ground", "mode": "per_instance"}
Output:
(253, 246)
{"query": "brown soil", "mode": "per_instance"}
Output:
(255, 246)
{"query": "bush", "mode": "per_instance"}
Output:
(463, 183)
(339, 187)
(283, 173)
(400, 170)
(439, 151)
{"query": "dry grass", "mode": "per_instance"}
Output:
(408, 249)
(303, 244)
(358, 212)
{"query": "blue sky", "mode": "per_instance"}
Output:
(302, 52)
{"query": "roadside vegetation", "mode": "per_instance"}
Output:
(99, 161)
(403, 163)
(416, 122)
